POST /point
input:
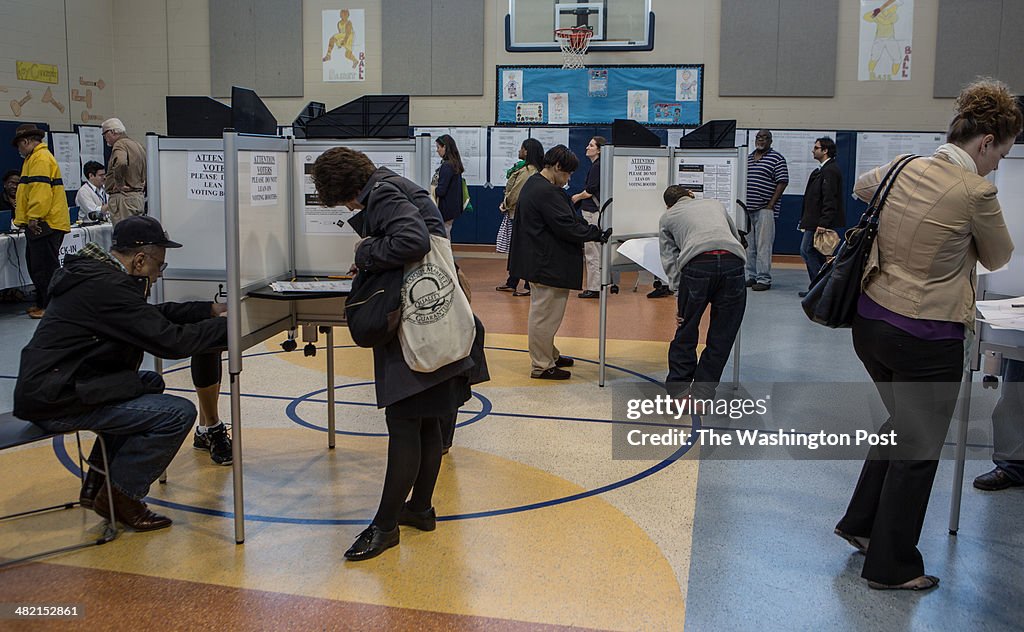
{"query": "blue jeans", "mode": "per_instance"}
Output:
(715, 280)
(142, 434)
(1008, 422)
(760, 240)
(812, 258)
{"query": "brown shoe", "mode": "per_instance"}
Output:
(130, 512)
(35, 312)
(90, 487)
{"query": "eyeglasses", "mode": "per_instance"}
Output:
(818, 147)
(163, 264)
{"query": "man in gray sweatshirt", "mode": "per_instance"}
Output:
(704, 260)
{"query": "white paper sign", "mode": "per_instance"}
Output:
(549, 137)
(886, 40)
(65, 150)
(795, 146)
(344, 45)
(472, 144)
(73, 242)
(878, 148)
(505, 144)
(636, 105)
(708, 177)
(205, 175)
(90, 142)
(263, 189)
(642, 173)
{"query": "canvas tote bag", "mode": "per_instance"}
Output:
(437, 326)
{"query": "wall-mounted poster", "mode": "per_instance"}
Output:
(686, 85)
(886, 34)
(558, 108)
(597, 86)
(344, 45)
(668, 113)
(636, 105)
(512, 85)
(529, 112)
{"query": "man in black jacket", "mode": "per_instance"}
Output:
(823, 204)
(80, 371)
(547, 251)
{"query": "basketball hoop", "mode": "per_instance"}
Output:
(574, 43)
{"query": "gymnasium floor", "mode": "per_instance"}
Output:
(539, 528)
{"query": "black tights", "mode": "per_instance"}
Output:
(414, 459)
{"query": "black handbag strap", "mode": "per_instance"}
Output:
(882, 192)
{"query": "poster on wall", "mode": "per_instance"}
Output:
(549, 137)
(597, 86)
(472, 144)
(505, 144)
(512, 85)
(795, 146)
(205, 175)
(886, 34)
(529, 112)
(344, 45)
(65, 150)
(686, 85)
(636, 101)
(878, 148)
(708, 177)
(558, 108)
(90, 142)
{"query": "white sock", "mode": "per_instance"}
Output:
(205, 429)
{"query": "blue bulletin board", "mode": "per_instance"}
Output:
(663, 95)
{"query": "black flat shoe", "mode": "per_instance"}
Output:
(91, 487)
(422, 520)
(589, 294)
(554, 373)
(615, 289)
(371, 543)
(564, 361)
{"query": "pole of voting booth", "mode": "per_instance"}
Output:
(234, 316)
(604, 220)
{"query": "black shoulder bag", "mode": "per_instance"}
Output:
(832, 297)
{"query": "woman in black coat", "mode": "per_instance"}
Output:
(398, 220)
(449, 181)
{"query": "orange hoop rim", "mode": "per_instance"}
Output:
(576, 36)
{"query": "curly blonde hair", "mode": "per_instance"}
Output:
(985, 107)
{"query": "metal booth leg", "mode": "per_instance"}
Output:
(330, 387)
(961, 454)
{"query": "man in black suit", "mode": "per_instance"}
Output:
(823, 204)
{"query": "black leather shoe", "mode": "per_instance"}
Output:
(589, 294)
(751, 282)
(995, 481)
(564, 361)
(422, 520)
(554, 373)
(659, 292)
(130, 512)
(90, 487)
(614, 289)
(761, 287)
(371, 543)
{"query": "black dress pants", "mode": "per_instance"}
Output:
(42, 260)
(919, 382)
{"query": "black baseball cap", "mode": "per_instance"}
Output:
(141, 230)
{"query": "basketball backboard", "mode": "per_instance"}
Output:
(618, 25)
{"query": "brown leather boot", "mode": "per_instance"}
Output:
(130, 512)
(90, 487)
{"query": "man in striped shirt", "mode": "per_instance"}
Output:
(767, 177)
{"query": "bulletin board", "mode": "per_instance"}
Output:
(661, 95)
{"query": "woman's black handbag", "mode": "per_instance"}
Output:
(832, 297)
(373, 308)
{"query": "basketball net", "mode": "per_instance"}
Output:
(574, 43)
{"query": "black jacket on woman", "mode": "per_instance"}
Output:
(593, 187)
(548, 237)
(449, 192)
(823, 199)
(399, 218)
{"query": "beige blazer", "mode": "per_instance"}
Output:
(938, 222)
(512, 188)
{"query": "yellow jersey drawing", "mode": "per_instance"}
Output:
(345, 38)
(885, 17)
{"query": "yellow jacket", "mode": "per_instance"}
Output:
(41, 192)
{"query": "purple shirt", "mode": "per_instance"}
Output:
(917, 327)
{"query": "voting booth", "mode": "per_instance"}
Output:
(245, 210)
(633, 182)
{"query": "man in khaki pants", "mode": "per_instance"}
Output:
(126, 173)
(547, 251)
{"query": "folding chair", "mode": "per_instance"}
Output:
(16, 432)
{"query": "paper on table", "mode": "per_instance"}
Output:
(646, 252)
(1007, 313)
(343, 285)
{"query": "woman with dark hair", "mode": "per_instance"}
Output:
(9, 193)
(399, 221)
(587, 201)
(449, 181)
(941, 218)
(531, 161)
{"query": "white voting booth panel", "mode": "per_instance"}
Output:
(324, 242)
(639, 179)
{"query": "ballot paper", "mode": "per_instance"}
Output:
(1007, 313)
(645, 252)
(340, 285)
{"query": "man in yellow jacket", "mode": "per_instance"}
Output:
(42, 209)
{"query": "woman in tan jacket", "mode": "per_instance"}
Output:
(940, 219)
(531, 159)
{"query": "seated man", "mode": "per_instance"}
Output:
(91, 199)
(80, 371)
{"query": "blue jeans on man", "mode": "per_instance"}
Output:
(812, 258)
(760, 241)
(142, 435)
(1008, 423)
(716, 280)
